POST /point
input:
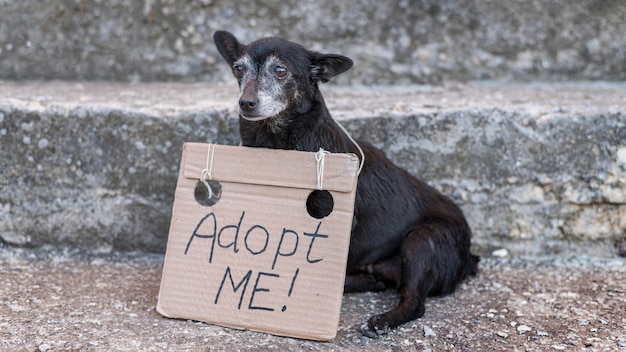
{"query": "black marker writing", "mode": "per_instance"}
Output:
(245, 280)
(313, 237)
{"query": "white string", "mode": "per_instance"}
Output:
(355, 144)
(319, 158)
(205, 174)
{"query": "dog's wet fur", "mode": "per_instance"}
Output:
(405, 234)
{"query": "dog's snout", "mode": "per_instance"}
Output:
(248, 100)
(247, 104)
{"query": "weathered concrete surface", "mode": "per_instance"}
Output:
(61, 302)
(537, 168)
(426, 41)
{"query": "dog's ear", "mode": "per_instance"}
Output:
(326, 66)
(229, 47)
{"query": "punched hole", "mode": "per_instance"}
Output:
(320, 204)
(202, 195)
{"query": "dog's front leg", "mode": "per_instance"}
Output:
(376, 277)
(411, 307)
(414, 264)
(363, 283)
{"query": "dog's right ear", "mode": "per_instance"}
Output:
(326, 66)
(229, 47)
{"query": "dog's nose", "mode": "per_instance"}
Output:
(247, 104)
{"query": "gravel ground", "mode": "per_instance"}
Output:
(52, 300)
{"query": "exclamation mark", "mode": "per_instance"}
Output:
(293, 282)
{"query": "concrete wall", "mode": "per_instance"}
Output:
(425, 41)
(538, 168)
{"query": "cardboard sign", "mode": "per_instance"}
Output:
(257, 259)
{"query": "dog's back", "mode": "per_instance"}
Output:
(405, 233)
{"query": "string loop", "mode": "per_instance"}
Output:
(358, 147)
(319, 158)
(205, 174)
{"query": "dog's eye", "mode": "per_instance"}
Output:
(280, 71)
(238, 70)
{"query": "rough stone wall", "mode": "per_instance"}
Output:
(538, 169)
(422, 41)
(544, 186)
(99, 178)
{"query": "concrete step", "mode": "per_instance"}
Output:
(537, 168)
(426, 41)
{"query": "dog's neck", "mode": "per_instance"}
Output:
(307, 131)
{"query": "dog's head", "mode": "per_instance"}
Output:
(276, 76)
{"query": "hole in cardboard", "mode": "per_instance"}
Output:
(320, 204)
(201, 193)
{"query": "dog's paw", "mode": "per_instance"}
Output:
(375, 327)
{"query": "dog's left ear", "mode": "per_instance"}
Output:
(326, 66)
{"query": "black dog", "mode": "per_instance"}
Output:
(405, 234)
